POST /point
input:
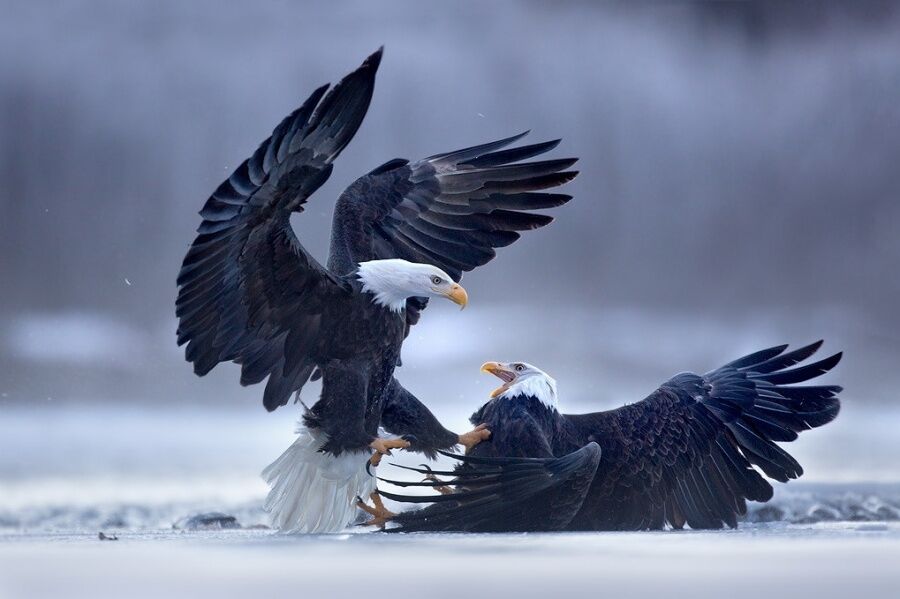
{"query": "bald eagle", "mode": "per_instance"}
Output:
(250, 293)
(690, 453)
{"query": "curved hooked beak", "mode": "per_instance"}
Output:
(458, 295)
(501, 372)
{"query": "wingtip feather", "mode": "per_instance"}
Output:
(373, 61)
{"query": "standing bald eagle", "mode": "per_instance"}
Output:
(250, 293)
(684, 455)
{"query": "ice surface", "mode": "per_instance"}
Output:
(68, 473)
(797, 503)
(824, 560)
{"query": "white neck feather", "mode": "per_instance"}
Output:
(541, 387)
(388, 281)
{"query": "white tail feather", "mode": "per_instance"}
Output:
(315, 492)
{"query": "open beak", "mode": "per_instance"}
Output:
(458, 295)
(502, 373)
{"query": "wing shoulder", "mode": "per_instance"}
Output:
(515, 431)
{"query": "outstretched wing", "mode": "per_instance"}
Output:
(686, 453)
(450, 210)
(248, 290)
(501, 494)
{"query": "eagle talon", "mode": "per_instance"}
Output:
(382, 448)
(440, 488)
(474, 437)
(380, 514)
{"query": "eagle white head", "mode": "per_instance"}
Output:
(394, 281)
(522, 378)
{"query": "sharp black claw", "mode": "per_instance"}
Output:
(368, 466)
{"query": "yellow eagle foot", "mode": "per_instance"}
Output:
(474, 437)
(383, 447)
(380, 514)
(440, 488)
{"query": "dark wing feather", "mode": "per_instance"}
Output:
(504, 494)
(450, 210)
(686, 454)
(248, 290)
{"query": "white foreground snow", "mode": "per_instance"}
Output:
(822, 561)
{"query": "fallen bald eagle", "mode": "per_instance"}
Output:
(684, 455)
(250, 293)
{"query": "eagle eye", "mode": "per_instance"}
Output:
(436, 280)
(520, 367)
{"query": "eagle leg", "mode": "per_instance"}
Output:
(440, 487)
(380, 514)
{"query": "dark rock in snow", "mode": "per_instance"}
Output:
(821, 513)
(207, 521)
(115, 521)
(767, 513)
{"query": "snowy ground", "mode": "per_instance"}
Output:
(67, 473)
(824, 560)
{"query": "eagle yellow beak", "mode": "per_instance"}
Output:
(491, 367)
(504, 374)
(458, 295)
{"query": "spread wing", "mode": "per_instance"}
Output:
(686, 453)
(248, 290)
(501, 494)
(451, 210)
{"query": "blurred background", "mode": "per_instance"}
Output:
(739, 188)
